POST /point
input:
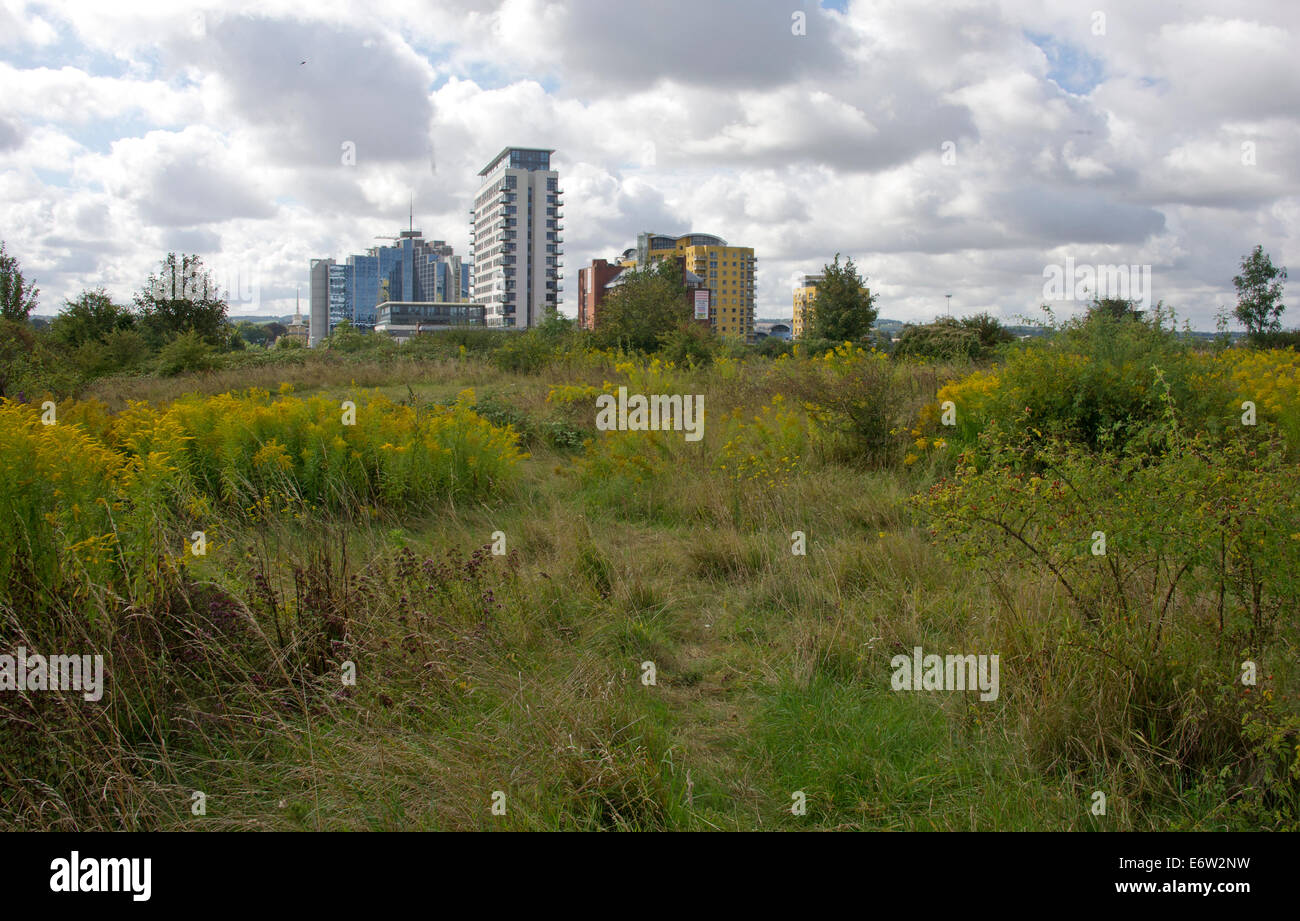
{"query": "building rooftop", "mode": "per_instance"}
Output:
(505, 152)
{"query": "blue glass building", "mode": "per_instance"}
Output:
(340, 294)
(365, 289)
(411, 270)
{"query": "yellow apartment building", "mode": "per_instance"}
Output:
(727, 271)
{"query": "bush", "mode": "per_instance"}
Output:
(944, 338)
(862, 404)
(524, 352)
(1179, 559)
(1098, 381)
(187, 352)
(689, 344)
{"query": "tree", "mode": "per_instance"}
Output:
(89, 318)
(843, 310)
(17, 298)
(252, 333)
(187, 352)
(182, 297)
(645, 307)
(944, 338)
(1115, 307)
(1259, 294)
(17, 343)
(988, 329)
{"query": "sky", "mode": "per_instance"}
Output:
(946, 147)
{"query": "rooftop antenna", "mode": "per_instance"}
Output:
(412, 227)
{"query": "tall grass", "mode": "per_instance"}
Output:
(524, 673)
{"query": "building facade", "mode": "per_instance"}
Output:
(412, 269)
(804, 295)
(516, 238)
(727, 271)
(318, 310)
(592, 282)
(404, 319)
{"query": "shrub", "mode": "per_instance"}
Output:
(187, 352)
(768, 448)
(861, 402)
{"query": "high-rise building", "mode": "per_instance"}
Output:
(318, 315)
(516, 238)
(727, 271)
(340, 294)
(804, 295)
(363, 289)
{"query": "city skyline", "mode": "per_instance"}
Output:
(946, 149)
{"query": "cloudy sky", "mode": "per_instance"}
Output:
(948, 147)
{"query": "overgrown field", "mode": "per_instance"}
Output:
(651, 651)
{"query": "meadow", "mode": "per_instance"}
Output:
(617, 630)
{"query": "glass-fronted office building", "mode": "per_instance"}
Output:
(411, 270)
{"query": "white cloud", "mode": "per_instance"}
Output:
(128, 128)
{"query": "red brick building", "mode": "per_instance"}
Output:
(591, 289)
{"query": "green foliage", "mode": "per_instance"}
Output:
(346, 338)
(772, 347)
(182, 297)
(646, 306)
(1194, 515)
(843, 311)
(989, 330)
(92, 317)
(1174, 552)
(120, 350)
(1116, 308)
(1259, 293)
(187, 352)
(861, 401)
(1094, 381)
(525, 352)
(691, 344)
(252, 333)
(974, 338)
(16, 344)
(17, 297)
(557, 433)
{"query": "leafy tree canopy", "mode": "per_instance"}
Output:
(843, 310)
(17, 296)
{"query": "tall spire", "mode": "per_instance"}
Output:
(412, 226)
